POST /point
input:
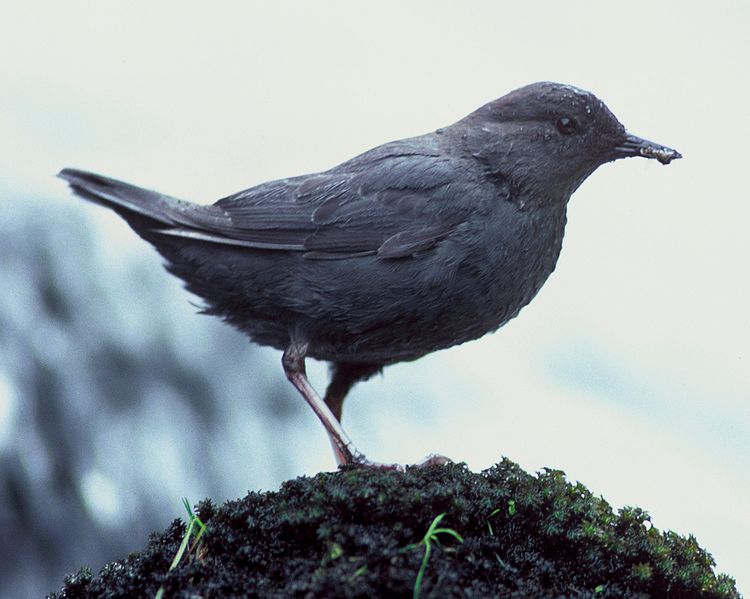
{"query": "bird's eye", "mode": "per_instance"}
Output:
(566, 125)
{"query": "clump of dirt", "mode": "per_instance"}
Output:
(361, 533)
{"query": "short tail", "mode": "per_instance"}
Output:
(143, 206)
(174, 227)
(147, 212)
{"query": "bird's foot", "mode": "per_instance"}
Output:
(360, 461)
(434, 459)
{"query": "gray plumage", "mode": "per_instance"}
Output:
(411, 247)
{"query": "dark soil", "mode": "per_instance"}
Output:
(357, 533)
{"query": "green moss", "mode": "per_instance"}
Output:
(343, 534)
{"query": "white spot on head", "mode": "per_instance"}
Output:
(576, 90)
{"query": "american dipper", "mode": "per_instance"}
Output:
(411, 247)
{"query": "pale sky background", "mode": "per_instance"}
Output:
(630, 370)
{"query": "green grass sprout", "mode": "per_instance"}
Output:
(495, 512)
(195, 529)
(431, 536)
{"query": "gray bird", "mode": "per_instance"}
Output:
(414, 246)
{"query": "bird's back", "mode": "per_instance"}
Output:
(403, 250)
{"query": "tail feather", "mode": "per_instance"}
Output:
(124, 197)
(155, 216)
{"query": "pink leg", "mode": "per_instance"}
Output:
(344, 450)
(293, 361)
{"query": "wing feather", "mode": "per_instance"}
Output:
(387, 202)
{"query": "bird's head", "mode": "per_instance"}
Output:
(551, 136)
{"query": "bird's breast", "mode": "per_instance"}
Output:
(505, 264)
(470, 284)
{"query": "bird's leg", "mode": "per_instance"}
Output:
(343, 377)
(329, 411)
(293, 361)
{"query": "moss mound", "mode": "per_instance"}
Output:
(359, 533)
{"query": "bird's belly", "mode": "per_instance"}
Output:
(416, 307)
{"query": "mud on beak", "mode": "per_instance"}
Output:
(637, 146)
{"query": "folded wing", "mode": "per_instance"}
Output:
(392, 207)
(395, 201)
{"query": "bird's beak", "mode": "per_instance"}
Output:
(637, 146)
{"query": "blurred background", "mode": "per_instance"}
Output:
(630, 370)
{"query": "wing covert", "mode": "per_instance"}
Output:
(393, 207)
